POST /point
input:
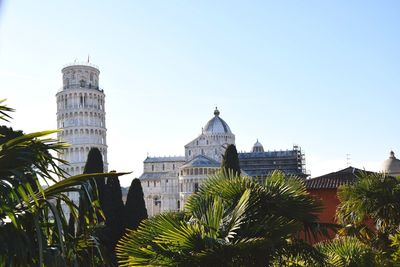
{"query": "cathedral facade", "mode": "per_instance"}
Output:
(167, 182)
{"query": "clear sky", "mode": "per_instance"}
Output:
(320, 74)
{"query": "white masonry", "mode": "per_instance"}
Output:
(81, 115)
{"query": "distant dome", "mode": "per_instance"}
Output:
(392, 165)
(217, 125)
(258, 147)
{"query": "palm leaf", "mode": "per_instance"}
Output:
(3, 111)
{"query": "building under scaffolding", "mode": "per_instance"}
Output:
(259, 163)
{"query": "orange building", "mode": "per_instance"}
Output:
(324, 188)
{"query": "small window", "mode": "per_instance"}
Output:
(179, 204)
(163, 167)
(155, 183)
(190, 152)
(166, 181)
(202, 151)
(173, 166)
(196, 187)
(148, 183)
(152, 168)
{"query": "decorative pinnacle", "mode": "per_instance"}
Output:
(216, 111)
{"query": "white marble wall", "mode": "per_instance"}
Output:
(212, 146)
(161, 191)
(81, 117)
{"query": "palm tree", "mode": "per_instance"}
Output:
(231, 221)
(349, 252)
(370, 209)
(33, 227)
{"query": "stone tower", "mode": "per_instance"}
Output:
(81, 115)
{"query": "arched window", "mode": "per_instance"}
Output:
(82, 83)
(152, 168)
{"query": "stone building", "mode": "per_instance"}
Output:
(391, 166)
(258, 163)
(160, 183)
(168, 181)
(81, 116)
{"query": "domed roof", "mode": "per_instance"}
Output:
(258, 147)
(391, 165)
(216, 125)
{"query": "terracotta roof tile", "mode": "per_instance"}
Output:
(334, 179)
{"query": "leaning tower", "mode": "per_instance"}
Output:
(81, 115)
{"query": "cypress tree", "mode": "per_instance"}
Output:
(135, 208)
(94, 164)
(230, 161)
(114, 208)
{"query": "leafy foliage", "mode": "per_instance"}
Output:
(33, 226)
(230, 160)
(349, 252)
(231, 221)
(370, 210)
(135, 208)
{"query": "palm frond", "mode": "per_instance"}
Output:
(4, 111)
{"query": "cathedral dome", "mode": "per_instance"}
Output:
(258, 147)
(392, 165)
(217, 125)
